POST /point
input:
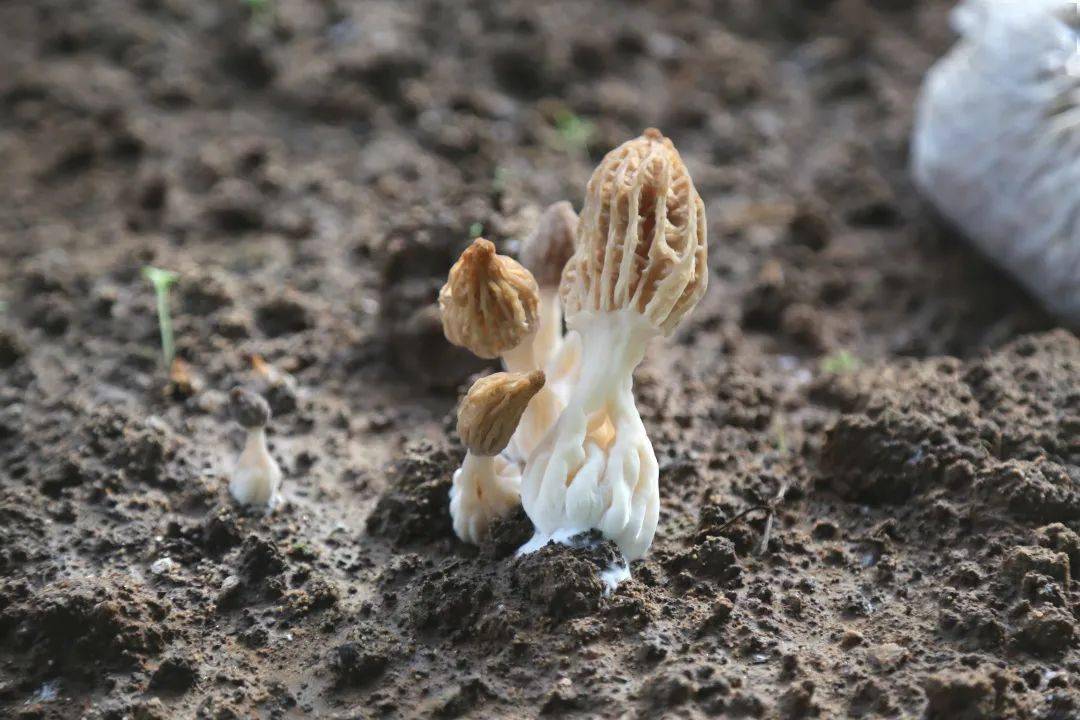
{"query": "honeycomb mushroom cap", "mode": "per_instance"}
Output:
(491, 411)
(641, 243)
(546, 251)
(489, 303)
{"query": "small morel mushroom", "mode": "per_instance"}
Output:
(488, 486)
(256, 478)
(638, 268)
(489, 305)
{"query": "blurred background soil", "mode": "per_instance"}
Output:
(311, 168)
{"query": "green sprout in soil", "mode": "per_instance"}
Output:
(502, 178)
(780, 435)
(574, 131)
(162, 280)
(841, 362)
(476, 230)
(260, 9)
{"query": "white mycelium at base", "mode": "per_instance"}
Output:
(612, 576)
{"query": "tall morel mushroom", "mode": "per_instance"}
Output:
(256, 477)
(638, 268)
(487, 486)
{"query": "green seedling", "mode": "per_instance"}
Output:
(476, 230)
(780, 435)
(574, 131)
(502, 178)
(260, 9)
(162, 280)
(841, 362)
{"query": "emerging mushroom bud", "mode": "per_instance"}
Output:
(489, 302)
(491, 411)
(642, 241)
(256, 478)
(488, 487)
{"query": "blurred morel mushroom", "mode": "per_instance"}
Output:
(997, 137)
(545, 253)
(487, 486)
(639, 267)
(256, 477)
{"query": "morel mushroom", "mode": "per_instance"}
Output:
(256, 478)
(487, 486)
(638, 268)
(489, 305)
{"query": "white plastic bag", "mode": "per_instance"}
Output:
(996, 144)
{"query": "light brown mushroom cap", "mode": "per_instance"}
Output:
(489, 303)
(642, 240)
(546, 251)
(492, 409)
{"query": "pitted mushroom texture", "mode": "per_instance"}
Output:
(641, 243)
(248, 409)
(489, 303)
(491, 411)
(547, 250)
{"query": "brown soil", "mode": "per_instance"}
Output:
(311, 168)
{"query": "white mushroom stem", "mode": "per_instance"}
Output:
(256, 478)
(596, 467)
(484, 488)
(549, 335)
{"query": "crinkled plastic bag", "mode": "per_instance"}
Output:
(996, 145)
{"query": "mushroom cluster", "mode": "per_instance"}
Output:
(629, 271)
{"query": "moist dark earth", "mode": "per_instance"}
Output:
(909, 418)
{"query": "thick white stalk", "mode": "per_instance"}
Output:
(596, 468)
